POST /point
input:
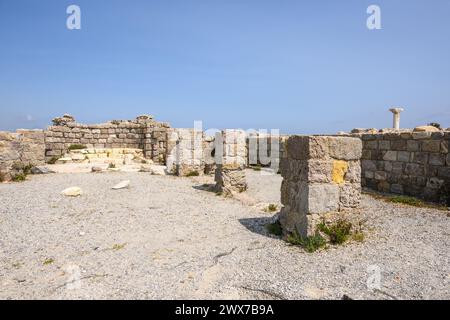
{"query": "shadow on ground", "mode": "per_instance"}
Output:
(210, 187)
(258, 225)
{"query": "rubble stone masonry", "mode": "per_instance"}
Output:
(22, 148)
(142, 133)
(408, 163)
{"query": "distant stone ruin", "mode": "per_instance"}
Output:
(143, 133)
(400, 161)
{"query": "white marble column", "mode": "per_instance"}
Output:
(396, 113)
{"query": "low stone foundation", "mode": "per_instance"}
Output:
(321, 175)
(115, 156)
(142, 133)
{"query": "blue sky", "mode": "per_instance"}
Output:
(299, 66)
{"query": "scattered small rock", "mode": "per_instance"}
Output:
(41, 170)
(122, 185)
(72, 192)
(145, 168)
(96, 169)
(159, 170)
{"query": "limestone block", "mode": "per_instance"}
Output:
(307, 147)
(384, 145)
(371, 145)
(404, 156)
(344, 148)
(390, 155)
(320, 171)
(398, 145)
(322, 198)
(431, 145)
(420, 157)
(444, 146)
(412, 145)
(349, 196)
(230, 179)
(437, 159)
(369, 165)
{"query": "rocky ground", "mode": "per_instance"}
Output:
(168, 238)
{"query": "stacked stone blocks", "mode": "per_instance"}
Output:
(231, 160)
(321, 174)
(410, 163)
(142, 133)
(19, 149)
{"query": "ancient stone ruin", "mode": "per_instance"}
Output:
(143, 133)
(229, 173)
(321, 175)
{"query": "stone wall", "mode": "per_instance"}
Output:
(19, 149)
(409, 163)
(321, 174)
(142, 133)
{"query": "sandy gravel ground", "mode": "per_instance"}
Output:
(166, 238)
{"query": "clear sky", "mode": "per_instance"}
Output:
(299, 66)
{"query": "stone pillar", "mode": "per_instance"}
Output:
(321, 175)
(396, 117)
(185, 154)
(231, 161)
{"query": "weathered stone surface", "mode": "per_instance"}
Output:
(413, 164)
(320, 176)
(345, 148)
(307, 147)
(412, 145)
(322, 198)
(353, 173)
(340, 168)
(320, 171)
(390, 155)
(384, 145)
(350, 196)
(431, 146)
(404, 156)
(230, 179)
(20, 149)
(437, 159)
